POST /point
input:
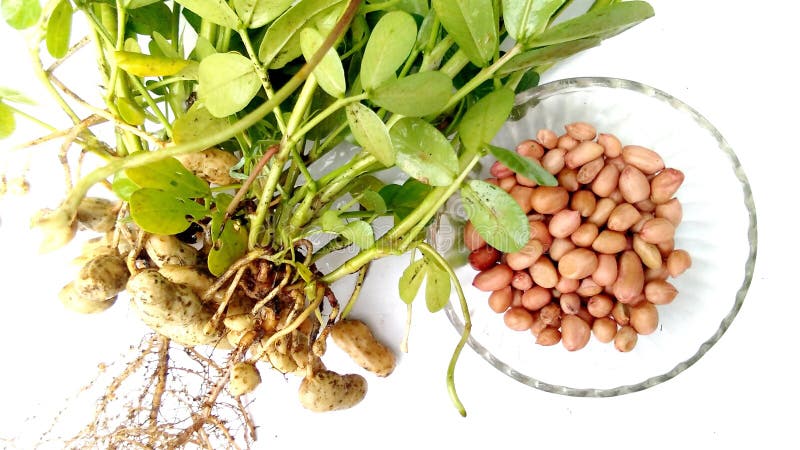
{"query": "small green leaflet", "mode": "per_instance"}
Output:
(404, 199)
(59, 29)
(359, 233)
(330, 221)
(601, 22)
(495, 215)
(329, 72)
(161, 212)
(411, 280)
(423, 152)
(416, 95)
(228, 81)
(472, 25)
(257, 13)
(169, 175)
(21, 14)
(143, 65)
(437, 288)
(130, 112)
(372, 201)
(215, 11)
(526, 167)
(150, 19)
(13, 96)
(123, 186)
(485, 118)
(196, 123)
(547, 55)
(388, 47)
(371, 133)
(526, 18)
(284, 28)
(231, 244)
(7, 122)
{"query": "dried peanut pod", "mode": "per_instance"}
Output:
(97, 214)
(244, 378)
(326, 390)
(165, 250)
(101, 278)
(193, 276)
(212, 165)
(356, 339)
(76, 303)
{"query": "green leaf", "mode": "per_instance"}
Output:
(423, 152)
(418, 7)
(495, 215)
(485, 118)
(21, 14)
(371, 133)
(526, 18)
(279, 40)
(7, 121)
(416, 95)
(528, 81)
(123, 186)
(437, 288)
(372, 201)
(196, 123)
(359, 233)
(228, 81)
(143, 65)
(130, 112)
(165, 46)
(257, 13)
(547, 55)
(170, 176)
(12, 96)
(330, 221)
(215, 11)
(133, 4)
(411, 280)
(526, 167)
(472, 25)
(365, 183)
(59, 28)
(601, 22)
(160, 212)
(389, 45)
(150, 19)
(329, 72)
(228, 247)
(404, 199)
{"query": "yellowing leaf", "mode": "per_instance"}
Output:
(143, 65)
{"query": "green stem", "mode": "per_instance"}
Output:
(454, 65)
(325, 113)
(31, 118)
(263, 76)
(451, 368)
(432, 59)
(362, 273)
(280, 158)
(482, 76)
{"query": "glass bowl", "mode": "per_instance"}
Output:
(718, 229)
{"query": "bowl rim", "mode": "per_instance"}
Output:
(527, 99)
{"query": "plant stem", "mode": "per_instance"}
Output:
(451, 368)
(31, 118)
(454, 65)
(482, 76)
(263, 76)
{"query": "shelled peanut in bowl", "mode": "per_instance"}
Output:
(601, 249)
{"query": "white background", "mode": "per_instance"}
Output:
(734, 62)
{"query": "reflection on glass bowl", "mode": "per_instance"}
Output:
(718, 229)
